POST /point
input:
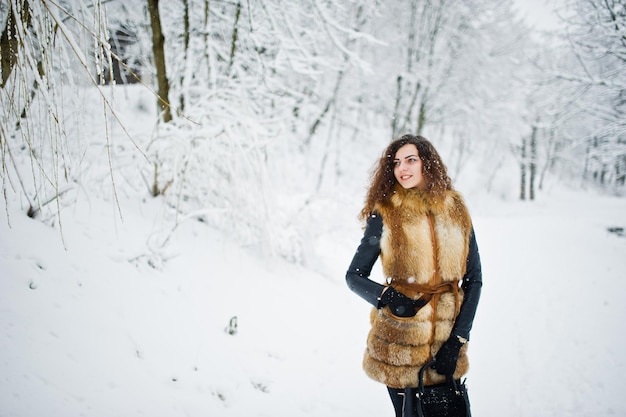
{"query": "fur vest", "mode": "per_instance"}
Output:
(397, 346)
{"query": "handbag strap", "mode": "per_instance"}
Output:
(408, 403)
(449, 378)
(420, 391)
(420, 387)
(420, 380)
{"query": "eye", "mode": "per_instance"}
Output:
(396, 163)
(412, 160)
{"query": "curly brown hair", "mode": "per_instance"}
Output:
(384, 181)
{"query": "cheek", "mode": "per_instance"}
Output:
(395, 171)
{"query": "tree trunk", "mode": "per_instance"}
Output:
(207, 53)
(522, 195)
(550, 158)
(158, 43)
(421, 117)
(620, 170)
(329, 104)
(533, 162)
(233, 46)
(9, 41)
(24, 114)
(396, 114)
(181, 98)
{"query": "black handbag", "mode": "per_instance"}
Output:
(449, 399)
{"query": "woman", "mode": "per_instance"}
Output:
(422, 231)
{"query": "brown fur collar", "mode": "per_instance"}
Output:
(406, 244)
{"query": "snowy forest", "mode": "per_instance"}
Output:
(181, 184)
(269, 88)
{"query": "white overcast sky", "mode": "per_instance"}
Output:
(540, 13)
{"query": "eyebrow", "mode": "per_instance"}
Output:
(406, 157)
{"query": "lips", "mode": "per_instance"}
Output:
(405, 177)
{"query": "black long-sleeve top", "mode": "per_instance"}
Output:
(357, 276)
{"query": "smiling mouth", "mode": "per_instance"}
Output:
(405, 177)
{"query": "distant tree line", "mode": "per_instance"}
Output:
(317, 79)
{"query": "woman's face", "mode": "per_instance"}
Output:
(407, 167)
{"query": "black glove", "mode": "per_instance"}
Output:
(399, 304)
(445, 359)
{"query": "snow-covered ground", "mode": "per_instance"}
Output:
(102, 321)
(93, 330)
